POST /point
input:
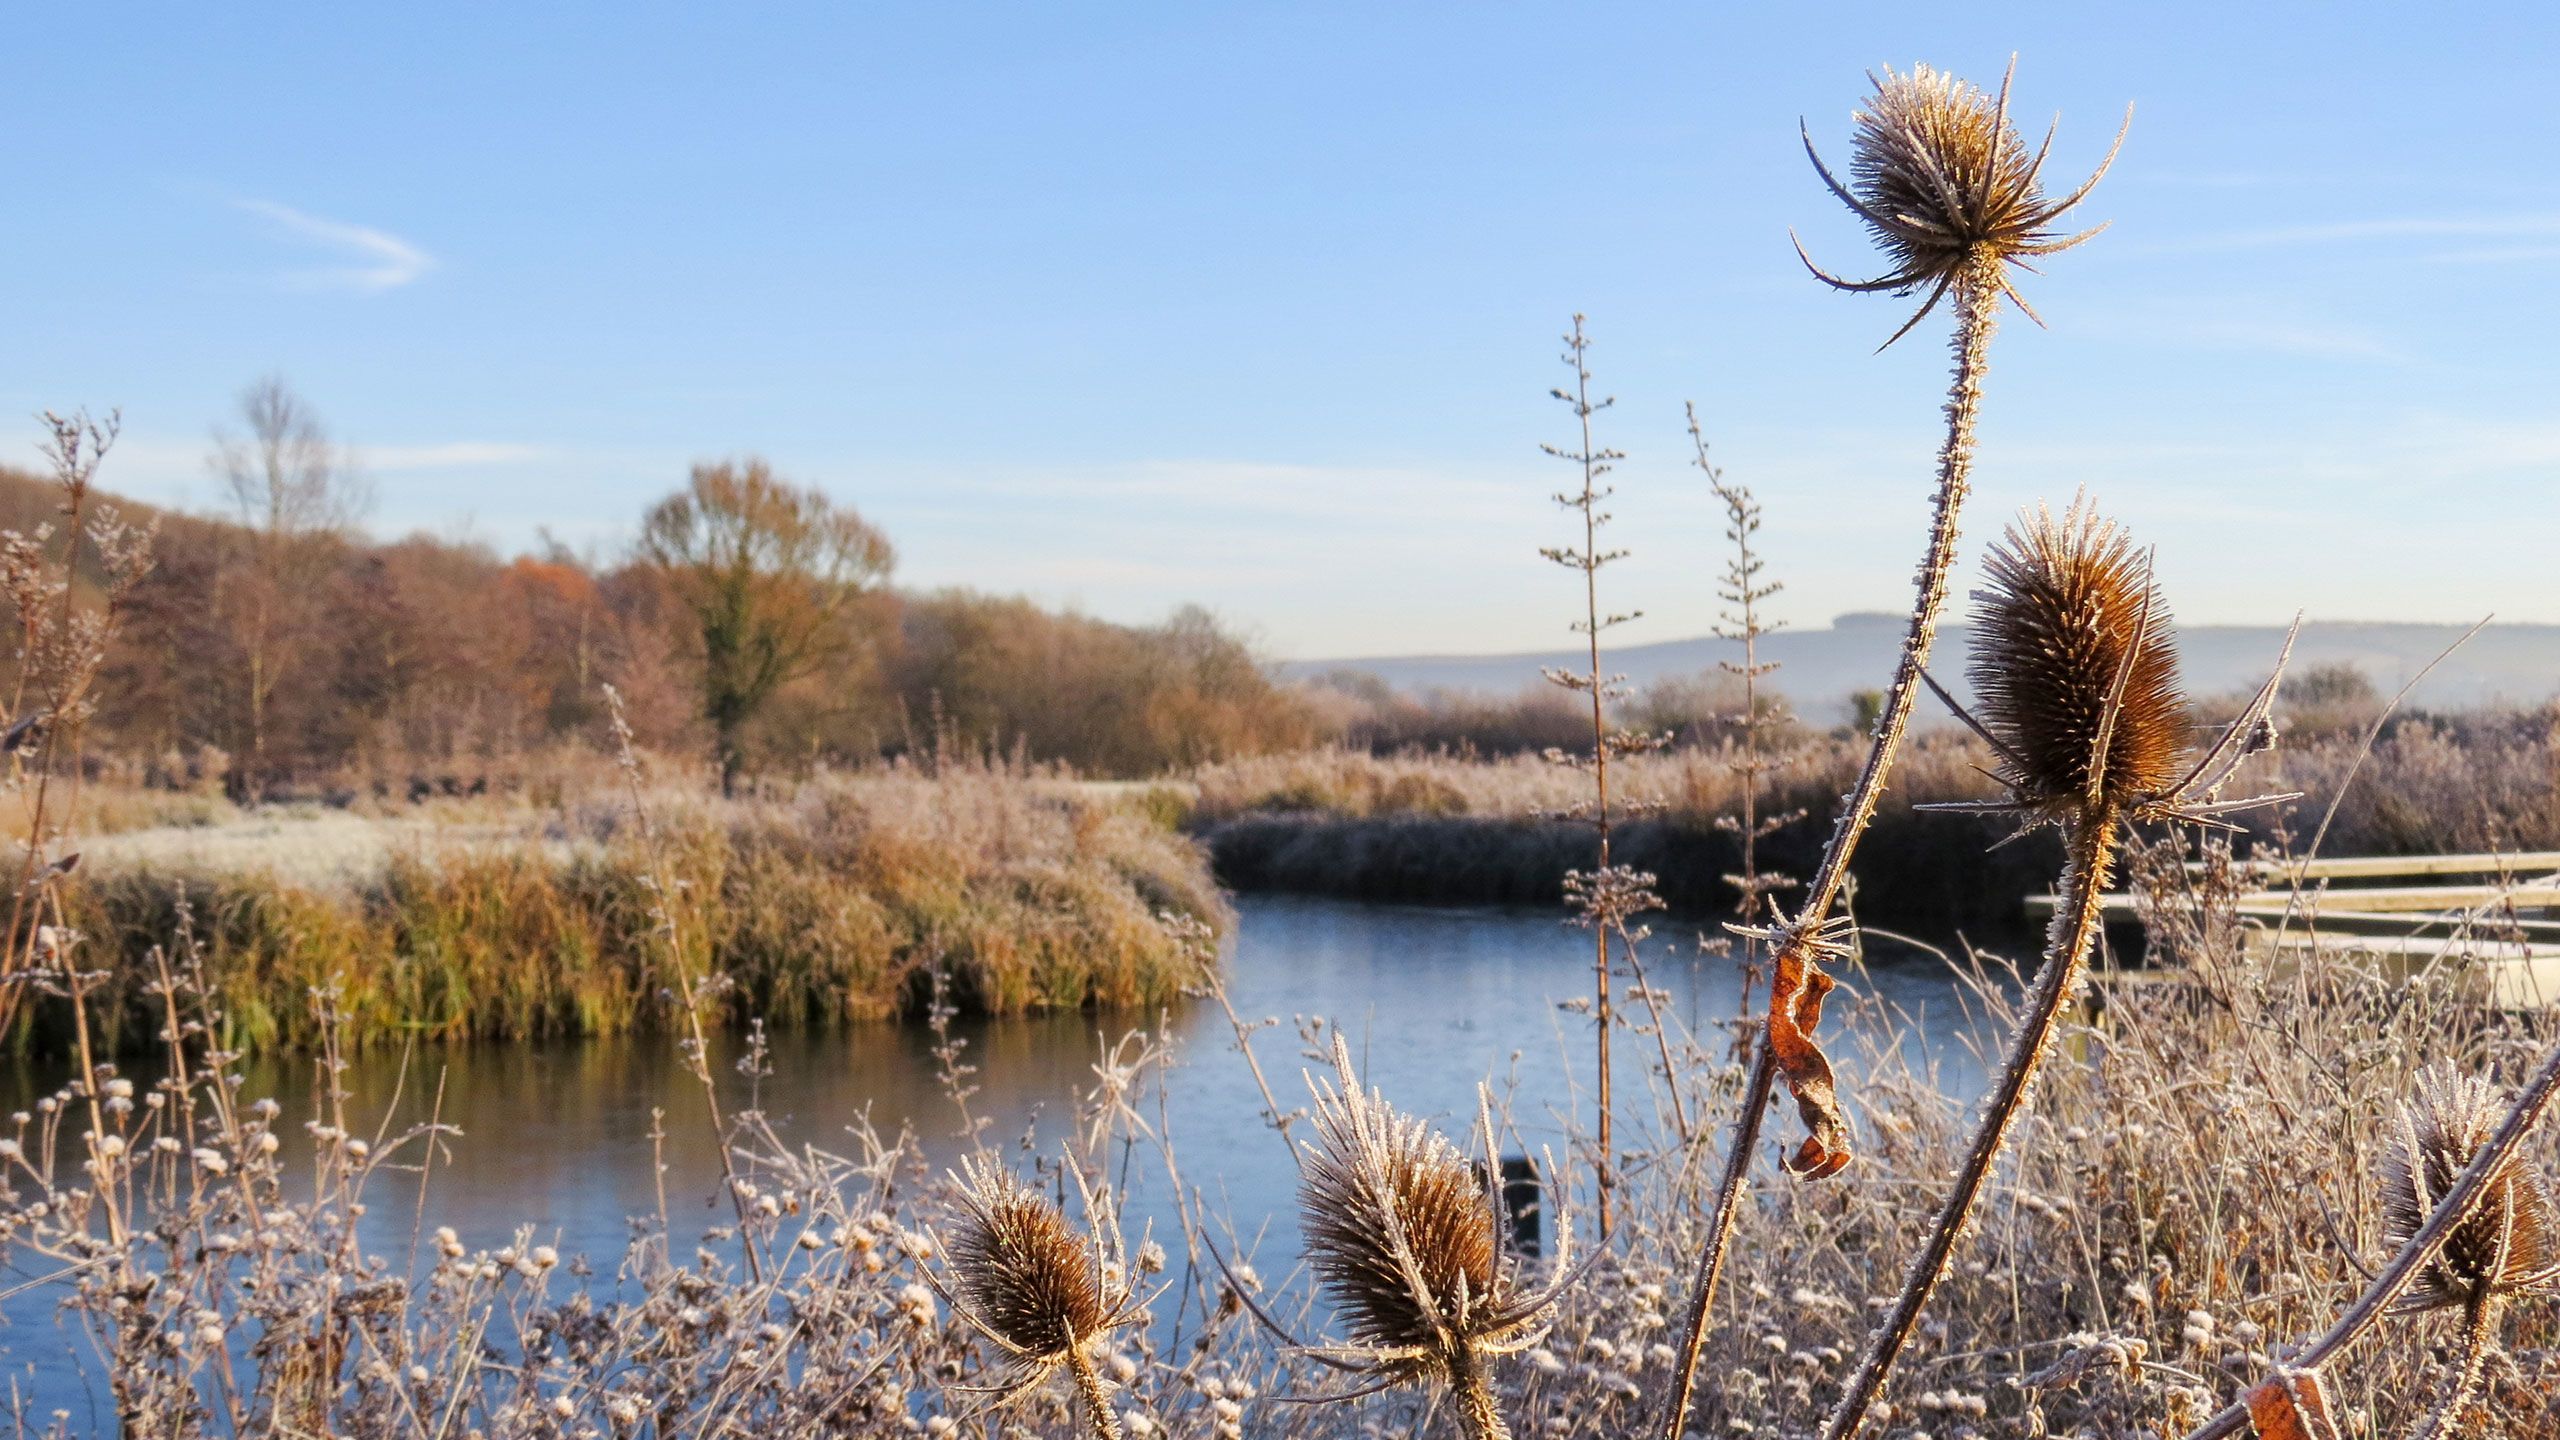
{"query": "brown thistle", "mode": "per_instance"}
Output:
(1403, 1232)
(2075, 672)
(1948, 189)
(2509, 1245)
(2078, 674)
(1043, 1294)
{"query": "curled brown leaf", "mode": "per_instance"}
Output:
(2290, 1405)
(1795, 1010)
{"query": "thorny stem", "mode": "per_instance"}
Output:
(1702, 1292)
(1977, 305)
(1097, 1402)
(1471, 1389)
(2479, 1324)
(2451, 1211)
(2075, 931)
(1976, 314)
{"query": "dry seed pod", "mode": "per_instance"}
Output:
(2510, 1244)
(2075, 670)
(1403, 1233)
(1948, 188)
(2075, 666)
(1022, 1276)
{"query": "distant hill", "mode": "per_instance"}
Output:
(1822, 668)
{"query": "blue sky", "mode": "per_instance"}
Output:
(1257, 306)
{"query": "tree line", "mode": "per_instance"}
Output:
(274, 647)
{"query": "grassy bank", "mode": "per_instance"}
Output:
(1444, 828)
(487, 922)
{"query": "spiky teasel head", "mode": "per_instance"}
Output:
(1948, 188)
(2509, 1245)
(2075, 667)
(1403, 1232)
(1023, 1276)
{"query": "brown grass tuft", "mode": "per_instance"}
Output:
(2075, 666)
(2510, 1245)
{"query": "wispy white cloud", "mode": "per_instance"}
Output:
(376, 260)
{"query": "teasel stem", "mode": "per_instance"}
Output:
(1471, 1390)
(2455, 1207)
(2479, 1323)
(1977, 314)
(1097, 1402)
(2075, 931)
(1702, 1292)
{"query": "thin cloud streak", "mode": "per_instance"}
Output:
(381, 260)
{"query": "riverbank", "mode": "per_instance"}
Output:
(1447, 829)
(485, 920)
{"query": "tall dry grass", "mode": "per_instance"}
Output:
(841, 903)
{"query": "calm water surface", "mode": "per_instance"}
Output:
(1434, 1000)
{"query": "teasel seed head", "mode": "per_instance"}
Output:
(1024, 1276)
(1948, 188)
(2075, 667)
(1403, 1233)
(2510, 1243)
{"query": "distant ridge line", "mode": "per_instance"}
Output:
(1822, 667)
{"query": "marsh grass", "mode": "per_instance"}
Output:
(835, 906)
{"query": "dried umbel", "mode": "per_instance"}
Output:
(1949, 189)
(2510, 1243)
(1022, 1276)
(1403, 1232)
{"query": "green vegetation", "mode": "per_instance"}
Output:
(840, 904)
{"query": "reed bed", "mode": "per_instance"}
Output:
(844, 902)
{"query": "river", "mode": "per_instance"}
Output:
(1434, 1000)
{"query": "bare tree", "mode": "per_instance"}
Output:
(295, 493)
(768, 571)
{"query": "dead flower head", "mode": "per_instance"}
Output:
(2510, 1244)
(1948, 188)
(2075, 676)
(1403, 1233)
(1023, 1276)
